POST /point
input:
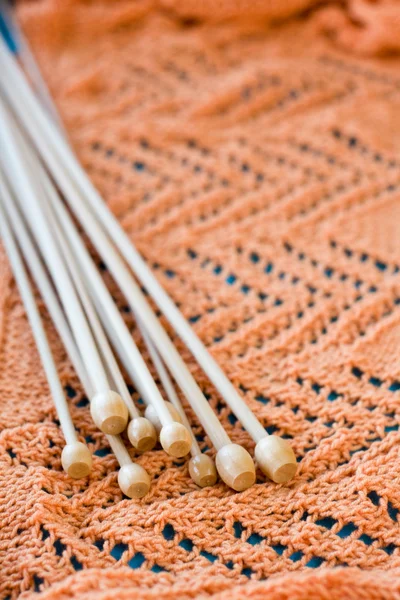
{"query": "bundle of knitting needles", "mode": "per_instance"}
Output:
(46, 201)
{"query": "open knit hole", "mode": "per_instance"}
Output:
(77, 565)
(136, 561)
(118, 550)
(186, 544)
(254, 539)
(37, 582)
(347, 530)
(315, 562)
(101, 452)
(279, 548)
(71, 392)
(210, 557)
(83, 402)
(168, 532)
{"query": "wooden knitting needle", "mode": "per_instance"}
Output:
(108, 409)
(274, 454)
(75, 457)
(201, 466)
(141, 431)
(174, 436)
(233, 462)
(133, 480)
(153, 417)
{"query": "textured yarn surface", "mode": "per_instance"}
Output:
(257, 169)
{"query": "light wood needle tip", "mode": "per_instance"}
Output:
(142, 434)
(202, 470)
(236, 467)
(276, 459)
(151, 414)
(133, 480)
(109, 412)
(76, 460)
(175, 439)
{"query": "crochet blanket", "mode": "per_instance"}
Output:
(251, 151)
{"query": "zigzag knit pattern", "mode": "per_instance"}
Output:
(257, 169)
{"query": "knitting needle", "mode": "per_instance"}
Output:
(133, 480)
(233, 462)
(273, 454)
(201, 466)
(174, 436)
(141, 432)
(107, 405)
(75, 457)
(152, 416)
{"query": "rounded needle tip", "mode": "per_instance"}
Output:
(151, 414)
(236, 467)
(109, 412)
(142, 434)
(276, 458)
(76, 460)
(202, 470)
(176, 440)
(133, 480)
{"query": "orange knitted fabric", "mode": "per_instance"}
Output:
(257, 169)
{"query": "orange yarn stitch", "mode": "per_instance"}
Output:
(257, 169)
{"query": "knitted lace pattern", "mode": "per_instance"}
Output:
(256, 166)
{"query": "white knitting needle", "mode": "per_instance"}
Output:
(75, 457)
(151, 414)
(274, 454)
(141, 432)
(106, 403)
(133, 479)
(201, 466)
(233, 462)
